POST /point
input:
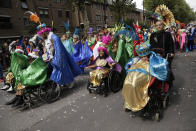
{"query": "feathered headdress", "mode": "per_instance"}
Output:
(33, 17)
(66, 24)
(41, 28)
(76, 33)
(168, 17)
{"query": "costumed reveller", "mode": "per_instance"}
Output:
(161, 41)
(123, 52)
(81, 51)
(64, 69)
(140, 71)
(183, 40)
(18, 62)
(68, 46)
(163, 44)
(191, 37)
(102, 65)
(67, 40)
(100, 40)
(91, 38)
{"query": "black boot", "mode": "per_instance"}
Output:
(20, 101)
(12, 101)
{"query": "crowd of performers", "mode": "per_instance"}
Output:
(142, 57)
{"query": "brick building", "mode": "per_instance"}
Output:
(13, 22)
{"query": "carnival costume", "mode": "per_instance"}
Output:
(106, 39)
(68, 44)
(102, 68)
(124, 52)
(81, 52)
(140, 73)
(106, 75)
(183, 38)
(91, 39)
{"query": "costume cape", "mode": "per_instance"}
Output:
(64, 67)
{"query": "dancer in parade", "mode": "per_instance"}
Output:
(81, 51)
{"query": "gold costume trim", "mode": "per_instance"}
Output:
(101, 62)
(135, 88)
(9, 77)
(97, 75)
(20, 86)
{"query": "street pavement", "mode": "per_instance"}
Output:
(77, 110)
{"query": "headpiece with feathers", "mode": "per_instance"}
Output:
(33, 17)
(168, 17)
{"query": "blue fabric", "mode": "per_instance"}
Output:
(20, 43)
(139, 70)
(66, 24)
(187, 50)
(77, 31)
(1, 72)
(82, 53)
(64, 67)
(28, 48)
(158, 67)
(130, 63)
(68, 46)
(192, 36)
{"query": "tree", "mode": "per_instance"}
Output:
(180, 8)
(121, 8)
(80, 7)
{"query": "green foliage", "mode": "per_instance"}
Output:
(180, 8)
(144, 25)
(121, 8)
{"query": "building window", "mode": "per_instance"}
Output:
(5, 23)
(67, 14)
(5, 3)
(26, 21)
(57, 1)
(98, 18)
(43, 12)
(111, 17)
(98, 28)
(59, 13)
(98, 6)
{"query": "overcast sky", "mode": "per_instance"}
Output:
(192, 4)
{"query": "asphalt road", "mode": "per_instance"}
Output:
(77, 110)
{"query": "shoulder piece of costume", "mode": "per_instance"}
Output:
(131, 62)
(158, 67)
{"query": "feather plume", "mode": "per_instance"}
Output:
(33, 16)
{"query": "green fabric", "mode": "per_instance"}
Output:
(129, 47)
(92, 42)
(112, 54)
(124, 54)
(35, 74)
(18, 63)
(110, 46)
(71, 43)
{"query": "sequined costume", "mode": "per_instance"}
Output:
(101, 72)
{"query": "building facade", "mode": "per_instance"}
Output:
(14, 23)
